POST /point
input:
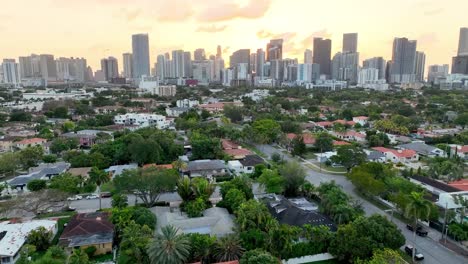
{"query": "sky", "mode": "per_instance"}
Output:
(95, 29)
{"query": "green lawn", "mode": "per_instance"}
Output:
(310, 155)
(329, 261)
(55, 214)
(107, 187)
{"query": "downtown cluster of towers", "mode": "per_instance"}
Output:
(407, 65)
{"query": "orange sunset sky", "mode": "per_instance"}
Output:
(99, 28)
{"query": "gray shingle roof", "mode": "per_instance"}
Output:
(251, 160)
(203, 165)
(419, 147)
(53, 170)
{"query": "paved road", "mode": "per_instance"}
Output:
(433, 252)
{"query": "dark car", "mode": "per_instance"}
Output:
(420, 231)
(69, 209)
(106, 195)
(409, 251)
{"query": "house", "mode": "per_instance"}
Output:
(324, 157)
(395, 139)
(88, 137)
(296, 212)
(338, 143)
(433, 186)
(42, 172)
(375, 156)
(245, 165)
(324, 124)
(116, 170)
(158, 166)
(461, 185)
(362, 120)
(13, 237)
(218, 107)
(423, 149)
(307, 138)
(399, 155)
(206, 168)
(460, 151)
(176, 111)
(6, 144)
(350, 136)
(89, 230)
(344, 122)
(234, 150)
(80, 172)
(30, 142)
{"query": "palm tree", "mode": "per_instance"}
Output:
(78, 257)
(228, 248)
(169, 247)
(98, 177)
(184, 189)
(417, 208)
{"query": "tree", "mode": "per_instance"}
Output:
(30, 156)
(98, 177)
(281, 239)
(184, 189)
(251, 215)
(119, 201)
(298, 145)
(147, 184)
(272, 181)
(349, 156)
(384, 256)
(201, 247)
(60, 145)
(358, 239)
(20, 116)
(233, 112)
(227, 248)
(462, 120)
(36, 185)
(78, 257)
(417, 208)
(324, 142)
(294, 175)
(204, 147)
(276, 157)
(135, 241)
(41, 201)
(258, 256)
(234, 198)
(242, 183)
(49, 158)
(66, 182)
(9, 163)
(195, 207)
(40, 238)
(169, 247)
(266, 130)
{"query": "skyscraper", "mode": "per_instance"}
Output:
(420, 65)
(26, 67)
(187, 64)
(178, 68)
(127, 65)
(161, 67)
(47, 67)
(308, 56)
(219, 52)
(260, 63)
(403, 61)
(10, 72)
(350, 42)
(140, 52)
(463, 42)
(253, 62)
(199, 55)
(376, 63)
(322, 55)
(240, 56)
(109, 68)
(437, 71)
(345, 66)
(275, 50)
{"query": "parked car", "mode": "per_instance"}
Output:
(409, 251)
(75, 198)
(106, 195)
(69, 209)
(420, 230)
(92, 196)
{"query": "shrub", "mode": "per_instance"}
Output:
(90, 251)
(195, 208)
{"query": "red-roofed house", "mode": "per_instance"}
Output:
(234, 150)
(218, 107)
(338, 143)
(362, 120)
(228, 144)
(396, 156)
(344, 122)
(461, 185)
(309, 139)
(460, 151)
(324, 124)
(30, 142)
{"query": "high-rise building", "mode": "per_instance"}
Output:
(109, 68)
(127, 65)
(345, 67)
(289, 70)
(322, 55)
(260, 64)
(202, 71)
(26, 67)
(420, 66)
(275, 50)
(460, 64)
(219, 52)
(240, 56)
(463, 42)
(437, 71)
(308, 72)
(350, 41)
(218, 69)
(199, 55)
(187, 64)
(378, 63)
(10, 71)
(140, 53)
(368, 75)
(277, 70)
(253, 62)
(178, 68)
(71, 69)
(47, 67)
(403, 61)
(308, 56)
(161, 67)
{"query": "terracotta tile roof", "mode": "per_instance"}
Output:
(31, 141)
(461, 185)
(160, 166)
(461, 149)
(88, 224)
(308, 138)
(407, 153)
(227, 144)
(237, 152)
(340, 143)
(361, 117)
(324, 123)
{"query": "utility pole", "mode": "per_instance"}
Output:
(445, 222)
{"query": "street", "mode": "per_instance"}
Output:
(433, 252)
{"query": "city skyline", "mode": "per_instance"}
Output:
(105, 30)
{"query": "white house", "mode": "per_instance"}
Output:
(350, 136)
(142, 120)
(245, 165)
(13, 237)
(362, 120)
(423, 149)
(460, 151)
(396, 156)
(30, 142)
(176, 111)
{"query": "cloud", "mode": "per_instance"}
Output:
(427, 39)
(265, 34)
(211, 29)
(227, 10)
(173, 10)
(309, 40)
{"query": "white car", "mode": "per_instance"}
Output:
(92, 196)
(75, 198)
